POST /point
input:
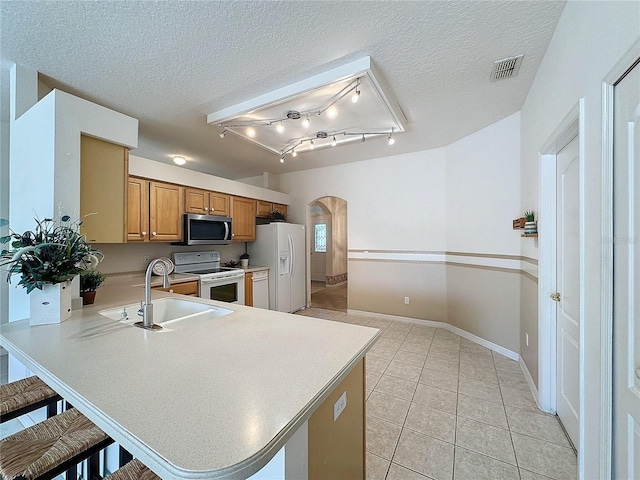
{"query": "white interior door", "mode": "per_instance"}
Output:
(568, 288)
(626, 280)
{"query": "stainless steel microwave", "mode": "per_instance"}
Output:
(206, 230)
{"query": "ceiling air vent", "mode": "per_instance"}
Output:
(506, 68)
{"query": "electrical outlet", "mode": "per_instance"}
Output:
(526, 339)
(406, 300)
(147, 258)
(340, 405)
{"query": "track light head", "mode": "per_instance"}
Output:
(294, 153)
(311, 145)
(356, 96)
(223, 133)
(306, 122)
(282, 159)
(251, 132)
(391, 140)
(280, 127)
(333, 142)
(363, 138)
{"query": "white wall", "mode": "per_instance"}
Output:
(483, 190)
(404, 212)
(45, 162)
(589, 39)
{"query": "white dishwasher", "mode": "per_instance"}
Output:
(261, 289)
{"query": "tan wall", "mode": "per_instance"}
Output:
(486, 303)
(380, 286)
(529, 324)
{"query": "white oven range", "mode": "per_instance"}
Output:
(216, 283)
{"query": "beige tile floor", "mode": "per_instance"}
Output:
(442, 407)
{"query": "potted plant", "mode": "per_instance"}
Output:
(530, 224)
(244, 260)
(47, 258)
(278, 216)
(90, 281)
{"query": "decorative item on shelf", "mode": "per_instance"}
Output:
(518, 223)
(90, 281)
(244, 260)
(530, 225)
(47, 259)
(278, 216)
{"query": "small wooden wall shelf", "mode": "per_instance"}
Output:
(529, 235)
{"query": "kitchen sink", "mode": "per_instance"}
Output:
(167, 311)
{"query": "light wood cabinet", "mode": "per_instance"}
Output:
(154, 211)
(138, 210)
(248, 289)
(203, 202)
(280, 208)
(103, 189)
(166, 205)
(244, 219)
(266, 209)
(189, 288)
(263, 209)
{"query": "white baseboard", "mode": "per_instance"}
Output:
(532, 385)
(397, 318)
(431, 323)
(485, 343)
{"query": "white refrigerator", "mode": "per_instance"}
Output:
(281, 247)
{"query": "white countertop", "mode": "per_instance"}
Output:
(210, 399)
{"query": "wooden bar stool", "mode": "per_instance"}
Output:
(24, 396)
(134, 470)
(50, 447)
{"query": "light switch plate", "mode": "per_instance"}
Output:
(340, 405)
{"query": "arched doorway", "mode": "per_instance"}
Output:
(328, 253)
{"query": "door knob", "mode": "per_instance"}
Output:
(555, 297)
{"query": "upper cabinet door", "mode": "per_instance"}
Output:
(166, 204)
(218, 204)
(138, 210)
(196, 201)
(102, 209)
(264, 209)
(243, 213)
(280, 208)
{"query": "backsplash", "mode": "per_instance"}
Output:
(129, 257)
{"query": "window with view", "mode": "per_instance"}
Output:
(320, 236)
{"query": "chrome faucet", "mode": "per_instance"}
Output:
(146, 310)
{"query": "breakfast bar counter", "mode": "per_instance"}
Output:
(204, 398)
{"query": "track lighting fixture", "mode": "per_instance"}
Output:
(306, 122)
(333, 142)
(294, 153)
(356, 94)
(391, 140)
(223, 133)
(282, 159)
(280, 127)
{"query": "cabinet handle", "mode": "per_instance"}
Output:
(206, 209)
(143, 234)
(171, 290)
(153, 234)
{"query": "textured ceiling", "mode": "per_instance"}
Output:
(171, 63)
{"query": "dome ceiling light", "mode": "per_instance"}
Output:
(337, 107)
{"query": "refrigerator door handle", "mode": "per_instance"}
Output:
(293, 254)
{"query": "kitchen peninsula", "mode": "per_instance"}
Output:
(210, 398)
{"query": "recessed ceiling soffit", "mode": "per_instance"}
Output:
(346, 104)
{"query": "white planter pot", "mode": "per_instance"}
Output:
(530, 227)
(50, 305)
